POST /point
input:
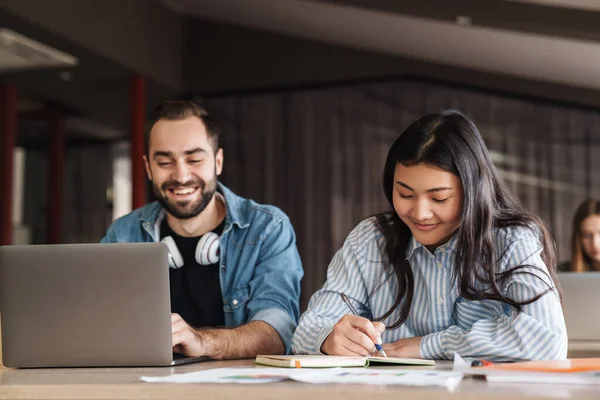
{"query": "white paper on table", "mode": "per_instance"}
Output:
(229, 375)
(371, 376)
(380, 376)
(461, 363)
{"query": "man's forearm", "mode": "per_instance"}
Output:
(246, 341)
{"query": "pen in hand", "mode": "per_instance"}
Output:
(353, 311)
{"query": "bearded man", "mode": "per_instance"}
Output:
(235, 269)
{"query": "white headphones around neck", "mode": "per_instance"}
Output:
(207, 250)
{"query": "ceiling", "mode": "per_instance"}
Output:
(531, 40)
(592, 5)
(93, 92)
(462, 42)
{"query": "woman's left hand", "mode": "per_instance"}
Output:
(406, 348)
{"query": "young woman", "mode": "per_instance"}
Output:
(458, 267)
(585, 241)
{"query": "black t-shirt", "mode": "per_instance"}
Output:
(195, 288)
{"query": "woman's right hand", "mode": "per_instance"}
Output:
(353, 336)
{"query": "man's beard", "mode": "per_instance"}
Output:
(185, 209)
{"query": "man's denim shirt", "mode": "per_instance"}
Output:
(260, 266)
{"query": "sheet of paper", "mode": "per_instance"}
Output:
(230, 375)
(369, 376)
(380, 376)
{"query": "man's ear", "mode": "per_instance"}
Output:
(147, 165)
(219, 161)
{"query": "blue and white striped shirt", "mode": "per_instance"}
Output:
(448, 323)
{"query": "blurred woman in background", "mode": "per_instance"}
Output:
(585, 242)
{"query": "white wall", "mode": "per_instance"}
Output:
(121, 190)
(21, 233)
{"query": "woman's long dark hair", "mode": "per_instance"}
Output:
(450, 141)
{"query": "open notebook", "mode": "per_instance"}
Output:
(305, 361)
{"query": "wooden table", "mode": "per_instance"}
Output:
(124, 383)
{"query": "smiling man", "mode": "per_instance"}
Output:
(235, 269)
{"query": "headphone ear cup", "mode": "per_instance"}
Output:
(208, 249)
(175, 258)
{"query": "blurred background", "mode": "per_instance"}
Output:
(310, 95)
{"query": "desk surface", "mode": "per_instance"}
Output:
(124, 383)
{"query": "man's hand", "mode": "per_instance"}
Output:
(186, 339)
(407, 348)
(353, 336)
(246, 341)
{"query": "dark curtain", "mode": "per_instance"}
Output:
(318, 154)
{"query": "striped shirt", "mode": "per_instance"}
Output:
(447, 322)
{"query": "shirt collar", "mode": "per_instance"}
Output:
(237, 214)
(414, 245)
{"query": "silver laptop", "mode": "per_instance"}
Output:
(86, 305)
(581, 302)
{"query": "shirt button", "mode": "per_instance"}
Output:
(442, 250)
(440, 300)
(234, 302)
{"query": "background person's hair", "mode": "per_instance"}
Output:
(450, 141)
(580, 262)
(176, 110)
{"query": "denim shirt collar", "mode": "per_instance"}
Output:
(152, 215)
(235, 214)
(414, 245)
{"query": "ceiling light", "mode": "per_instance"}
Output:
(20, 52)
